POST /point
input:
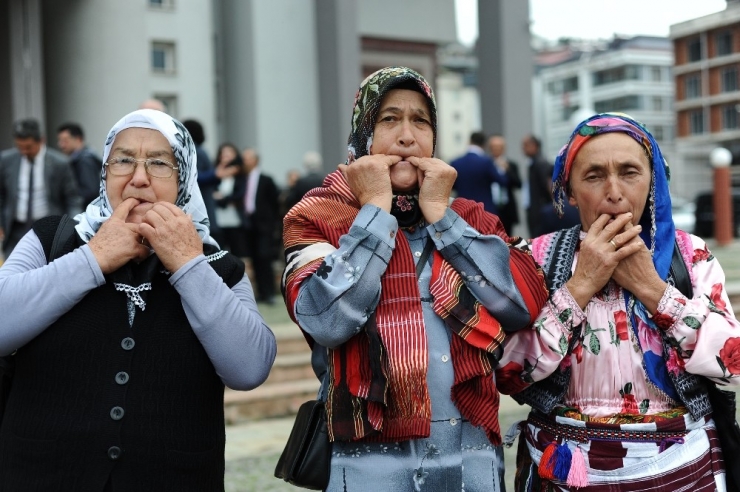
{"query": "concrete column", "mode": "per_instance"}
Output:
(505, 71)
(338, 44)
(26, 60)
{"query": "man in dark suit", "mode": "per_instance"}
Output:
(539, 186)
(261, 215)
(504, 196)
(33, 167)
(476, 173)
(85, 164)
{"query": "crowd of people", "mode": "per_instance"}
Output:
(127, 310)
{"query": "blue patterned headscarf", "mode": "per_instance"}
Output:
(658, 231)
(188, 198)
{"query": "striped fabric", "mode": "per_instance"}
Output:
(378, 388)
(692, 462)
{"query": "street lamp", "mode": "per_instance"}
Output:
(720, 159)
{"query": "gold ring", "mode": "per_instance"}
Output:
(613, 244)
(142, 240)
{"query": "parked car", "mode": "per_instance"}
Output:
(705, 214)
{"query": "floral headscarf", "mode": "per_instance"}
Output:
(367, 103)
(658, 230)
(188, 199)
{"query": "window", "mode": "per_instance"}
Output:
(657, 103)
(693, 49)
(568, 111)
(624, 103)
(656, 74)
(696, 122)
(163, 57)
(659, 133)
(692, 86)
(617, 74)
(729, 117)
(570, 84)
(723, 41)
(729, 79)
(170, 103)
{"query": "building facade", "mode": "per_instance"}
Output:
(707, 82)
(631, 75)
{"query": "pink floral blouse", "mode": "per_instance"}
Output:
(607, 375)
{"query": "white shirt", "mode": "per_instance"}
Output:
(40, 206)
(252, 180)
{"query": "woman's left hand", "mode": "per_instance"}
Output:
(637, 274)
(171, 234)
(436, 179)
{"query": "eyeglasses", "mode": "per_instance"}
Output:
(156, 168)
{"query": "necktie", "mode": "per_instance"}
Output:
(29, 215)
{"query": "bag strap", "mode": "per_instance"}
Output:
(680, 273)
(65, 229)
(428, 247)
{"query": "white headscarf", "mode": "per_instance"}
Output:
(188, 199)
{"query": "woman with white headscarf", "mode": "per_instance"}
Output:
(123, 343)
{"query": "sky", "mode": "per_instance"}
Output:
(593, 19)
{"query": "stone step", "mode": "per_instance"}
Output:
(269, 400)
(291, 367)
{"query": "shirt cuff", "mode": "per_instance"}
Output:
(379, 223)
(562, 301)
(447, 230)
(186, 268)
(670, 307)
(93, 264)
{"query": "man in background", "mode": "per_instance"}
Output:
(539, 184)
(85, 164)
(476, 173)
(35, 181)
(313, 178)
(207, 179)
(504, 196)
(261, 216)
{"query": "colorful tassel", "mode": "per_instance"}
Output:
(562, 462)
(546, 470)
(577, 476)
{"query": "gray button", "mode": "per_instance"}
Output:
(417, 253)
(453, 421)
(116, 413)
(114, 452)
(445, 358)
(438, 235)
(122, 377)
(128, 343)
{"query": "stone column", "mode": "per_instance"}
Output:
(721, 158)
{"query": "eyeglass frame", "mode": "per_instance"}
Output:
(146, 161)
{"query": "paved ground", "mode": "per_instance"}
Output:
(253, 448)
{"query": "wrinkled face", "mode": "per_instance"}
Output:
(141, 143)
(611, 175)
(403, 128)
(67, 143)
(28, 147)
(496, 146)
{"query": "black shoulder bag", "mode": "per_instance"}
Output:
(7, 364)
(723, 402)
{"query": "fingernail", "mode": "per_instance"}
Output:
(639, 227)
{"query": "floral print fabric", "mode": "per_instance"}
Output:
(608, 376)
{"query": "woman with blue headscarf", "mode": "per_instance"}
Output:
(615, 367)
(124, 339)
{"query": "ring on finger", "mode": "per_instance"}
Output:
(611, 241)
(142, 240)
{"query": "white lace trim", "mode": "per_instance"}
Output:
(133, 292)
(216, 256)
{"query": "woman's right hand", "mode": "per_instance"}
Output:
(117, 242)
(369, 178)
(598, 256)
